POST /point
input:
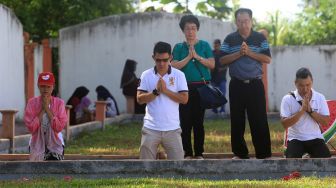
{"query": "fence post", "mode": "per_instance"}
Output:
(101, 112)
(67, 127)
(47, 56)
(8, 127)
(29, 65)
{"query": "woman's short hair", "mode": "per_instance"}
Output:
(189, 19)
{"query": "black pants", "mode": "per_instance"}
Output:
(315, 148)
(249, 98)
(192, 118)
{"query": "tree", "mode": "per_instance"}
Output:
(43, 18)
(212, 8)
(315, 25)
(277, 28)
(218, 8)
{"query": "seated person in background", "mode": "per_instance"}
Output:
(163, 88)
(80, 113)
(45, 117)
(301, 113)
(104, 95)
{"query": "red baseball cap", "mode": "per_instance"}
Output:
(46, 78)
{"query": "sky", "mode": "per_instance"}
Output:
(260, 8)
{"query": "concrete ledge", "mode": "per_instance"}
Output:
(4, 145)
(22, 141)
(204, 169)
(122, 118)
(89, 126)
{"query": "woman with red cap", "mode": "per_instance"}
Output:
(45, 117)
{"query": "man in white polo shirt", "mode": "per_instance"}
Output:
(301, 113)
(162, 88)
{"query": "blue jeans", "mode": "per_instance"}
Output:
(222, 88)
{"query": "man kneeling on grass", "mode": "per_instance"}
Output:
(162, 88)
(301, 113)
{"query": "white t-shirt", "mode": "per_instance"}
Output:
(306, 128)
(162, 114)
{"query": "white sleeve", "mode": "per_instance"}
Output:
(324, 110)
(143, 83)
(182, 83)
(285, 107)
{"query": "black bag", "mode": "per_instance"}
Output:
(211, 96)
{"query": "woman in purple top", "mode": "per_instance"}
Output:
(80, 103)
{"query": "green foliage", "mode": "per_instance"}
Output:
(43, 18)
(212, 8)
(277, 28)
(218, 10)
(315, 25)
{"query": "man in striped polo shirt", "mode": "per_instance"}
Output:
(245, 51)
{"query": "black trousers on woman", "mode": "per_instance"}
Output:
(249, 97)
(192, 118)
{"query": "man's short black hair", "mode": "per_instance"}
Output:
(189, 19)
(162, 47)
(243, 10)
(303, 73)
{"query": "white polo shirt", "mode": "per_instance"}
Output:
(306, 128)
(162, 114)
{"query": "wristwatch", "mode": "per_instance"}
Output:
(155, 92)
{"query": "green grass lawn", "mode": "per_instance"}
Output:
(305, 182)
(124, 139)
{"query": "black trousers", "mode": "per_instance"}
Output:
(316, 148)
(192, 118)
(249, 98)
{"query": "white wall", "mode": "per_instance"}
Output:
(321, 60)
(94, 53)
(11, 62)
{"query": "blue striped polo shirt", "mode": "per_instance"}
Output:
(245, 67)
